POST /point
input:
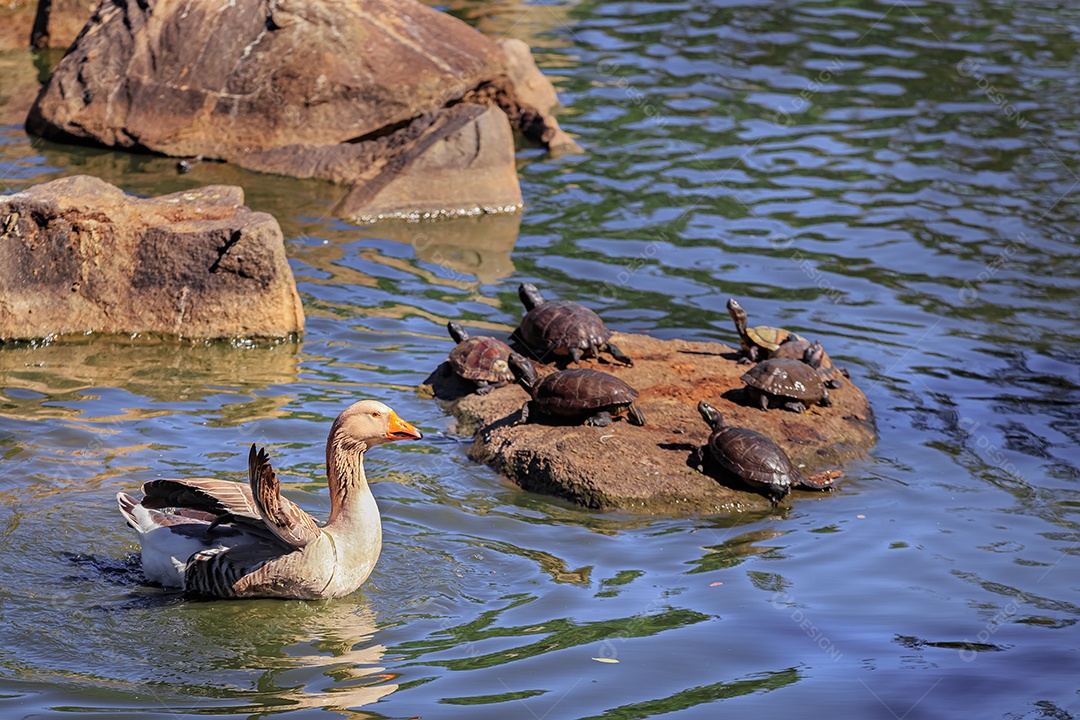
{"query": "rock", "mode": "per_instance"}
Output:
(77, 255)
(309, 88)
(645, 469)
(58, 22)
(443, 162)
(532, 89)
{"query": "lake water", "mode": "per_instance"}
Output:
(898, 180)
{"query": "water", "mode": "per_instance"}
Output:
(896, 180)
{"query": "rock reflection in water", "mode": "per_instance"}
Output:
(162, 370)
(466, 250)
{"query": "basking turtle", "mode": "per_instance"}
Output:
(758, 342)
(578, 393)
(563, 327)
(480, 359)
(790, 384)
(814, 355)
(761, 463)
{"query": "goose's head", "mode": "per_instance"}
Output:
(369, 423)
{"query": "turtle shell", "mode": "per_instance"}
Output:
(771, 338)
(559, 325)
(570, 392)
(782, 377)
(794, 348)
(754, 458)
(482, 358)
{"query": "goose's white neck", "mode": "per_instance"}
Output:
(351, 500)
(354, 526)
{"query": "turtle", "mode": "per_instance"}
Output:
(814, 355)
(595, 396)
(758, 343)
(790, 384)
(757, 460)
(480, 359)
(563, 327)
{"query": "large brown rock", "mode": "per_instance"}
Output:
(302, 88)
(646, 469)
(221, 79)
(77, 255)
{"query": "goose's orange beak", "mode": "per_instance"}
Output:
(398, 429)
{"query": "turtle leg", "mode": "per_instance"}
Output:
(600, 419)
(633, 415)
(826, 401)
(794, 406)
(618, 354)
(575, 354)
(483, 387)
(524, 414)
(776, 495)
(697, 458)
(760, 399)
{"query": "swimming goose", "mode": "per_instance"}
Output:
(225, 539)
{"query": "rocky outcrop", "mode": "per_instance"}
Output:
(646, 469)
(418, 170)
(372, 93)
(58, 22)
(77, 255)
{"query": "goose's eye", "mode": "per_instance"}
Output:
(376, 414)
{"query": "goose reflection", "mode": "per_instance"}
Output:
(333, 664)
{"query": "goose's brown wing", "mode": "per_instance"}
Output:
(284, 518)
(208, 495)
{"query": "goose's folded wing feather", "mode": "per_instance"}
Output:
(228, 571)
(208, 495)
(293, 526)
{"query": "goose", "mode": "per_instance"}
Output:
(224, 539)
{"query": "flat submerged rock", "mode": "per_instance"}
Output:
(646, 469)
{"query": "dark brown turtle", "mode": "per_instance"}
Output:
(595, 396)
(757, 460)
(790, 384)
(563, 327)
(814, 355)
(480, 359)
(758, 342)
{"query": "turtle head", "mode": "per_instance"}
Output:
(530, 296)
(457, 332)
(738, 315)
(710, 415)
(524, 372)
(814, 355)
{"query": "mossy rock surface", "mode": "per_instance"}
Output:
(647, 469)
